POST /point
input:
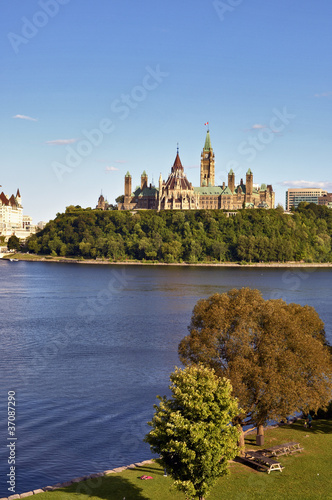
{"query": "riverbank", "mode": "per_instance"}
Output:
(305, 474)
(49, 258)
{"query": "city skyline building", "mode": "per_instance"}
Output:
(326, 200)
(12, 220)
(294, 196)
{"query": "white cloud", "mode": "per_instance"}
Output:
(24, 117)
(307, 184)
(257, 126)
(111, 169)
(60, 142)
(324, 94)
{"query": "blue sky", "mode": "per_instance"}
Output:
(91, 89)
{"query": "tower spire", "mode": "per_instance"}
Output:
(177, 162)
(207, 145)
(207, 162)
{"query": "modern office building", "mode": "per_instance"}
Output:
(295, 196)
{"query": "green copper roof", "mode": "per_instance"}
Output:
(207, 145)
(231, 172)
(144, 173)
(215, 190)
(128, 174)
(240, 188)
(208, 190)
(249, 172)
(145, 192)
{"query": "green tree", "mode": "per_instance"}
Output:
(32, 244)
(192, 432)
(85, 248)
(193, 250)
(171, 252)
(218, 249)
(251, 235)
(275, 355)
(13, 243)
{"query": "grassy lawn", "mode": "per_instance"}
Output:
(37, 258)
(306, 475)
(21, 256)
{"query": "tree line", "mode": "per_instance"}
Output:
(255, 235)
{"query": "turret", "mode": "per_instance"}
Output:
(231, 180)
(127, 186)
(249, 182)
(101, 202)
(144, 180)
(160, 192)
(18, 198)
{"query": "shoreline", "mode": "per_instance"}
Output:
(66, 260)
(65, 484)
(115, 470)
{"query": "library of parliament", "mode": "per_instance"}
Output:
(178, 193)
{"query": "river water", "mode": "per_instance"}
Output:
(87, 348)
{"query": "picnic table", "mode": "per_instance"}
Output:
(261, 461)
(283, 449)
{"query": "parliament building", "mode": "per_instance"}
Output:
(177, 193)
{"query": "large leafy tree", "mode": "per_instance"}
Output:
(192, 432)
(13, 243)
(275, 354)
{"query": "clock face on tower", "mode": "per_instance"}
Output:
(206, 155)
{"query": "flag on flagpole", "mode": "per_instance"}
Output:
(206, 123)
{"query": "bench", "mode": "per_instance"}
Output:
(296, 449)
(258, 459)
(253, 462)
(283, 449)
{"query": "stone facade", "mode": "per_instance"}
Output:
(11, 212)
(12, 220)
(177, 193)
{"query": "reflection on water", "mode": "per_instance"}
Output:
(87, 349)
